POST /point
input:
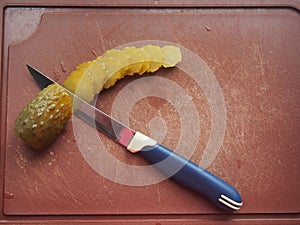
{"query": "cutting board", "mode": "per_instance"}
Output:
(231, 106)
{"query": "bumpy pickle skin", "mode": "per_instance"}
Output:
(44, 117)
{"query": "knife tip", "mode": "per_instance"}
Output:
(28, 66)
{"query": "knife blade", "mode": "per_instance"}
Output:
(178, 168)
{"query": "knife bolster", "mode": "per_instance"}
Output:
(139, 141)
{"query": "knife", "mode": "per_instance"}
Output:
(167, 161)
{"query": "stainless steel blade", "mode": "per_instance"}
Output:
(90, 114)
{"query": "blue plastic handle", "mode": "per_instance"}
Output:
(192, 176)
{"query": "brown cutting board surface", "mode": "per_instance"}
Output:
(248, 88)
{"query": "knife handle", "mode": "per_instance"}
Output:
(187, 173)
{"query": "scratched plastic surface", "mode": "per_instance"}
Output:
(253, 54)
